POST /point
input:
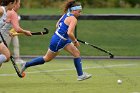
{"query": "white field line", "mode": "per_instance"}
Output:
(60, 70)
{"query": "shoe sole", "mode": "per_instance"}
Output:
(84, 78)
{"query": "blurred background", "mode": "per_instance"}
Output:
(86, 3)
(119, 36)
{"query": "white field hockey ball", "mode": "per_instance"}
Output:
(119, 81)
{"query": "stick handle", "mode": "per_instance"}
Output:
(111, 55)
(12, 59)
(81, 41)
(34, 33)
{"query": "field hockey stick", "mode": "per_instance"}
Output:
(12, 59)
(86, 43)
(46, 31)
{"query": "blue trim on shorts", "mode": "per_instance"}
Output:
(57, 43)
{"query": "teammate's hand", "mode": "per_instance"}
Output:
(27, 33)
(12, 33)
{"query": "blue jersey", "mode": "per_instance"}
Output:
(60, 38)
(62, 27)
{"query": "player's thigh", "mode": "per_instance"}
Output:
(72, 50)
(4, 50)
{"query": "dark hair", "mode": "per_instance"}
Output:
(69, 4)
(6, 2)
(0, 2)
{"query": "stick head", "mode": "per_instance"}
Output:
(47, 31)
(23, 74)
(111, 56)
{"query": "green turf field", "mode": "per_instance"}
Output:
(121, 37)
(59, 76)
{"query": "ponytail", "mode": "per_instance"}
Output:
(6, 2)
(0, 2)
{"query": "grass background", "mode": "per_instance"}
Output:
(121, 37)
(59, 76)
(52, 11)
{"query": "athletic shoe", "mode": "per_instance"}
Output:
(84, 76)
(20, 61)
(22, 68)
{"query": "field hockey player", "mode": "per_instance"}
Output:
(64, 38)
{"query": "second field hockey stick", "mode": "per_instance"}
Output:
(46, 31)
(12, 59)
(86, 43)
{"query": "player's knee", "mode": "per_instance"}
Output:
(77, 54)
(46, 59)
(7, 57)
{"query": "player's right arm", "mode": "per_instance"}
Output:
(57, 24)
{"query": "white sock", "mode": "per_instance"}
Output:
(2, 58)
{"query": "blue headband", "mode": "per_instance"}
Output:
(76, 8)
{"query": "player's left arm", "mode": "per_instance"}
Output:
(72, 21)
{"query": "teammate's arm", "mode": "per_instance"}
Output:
(13, 18)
